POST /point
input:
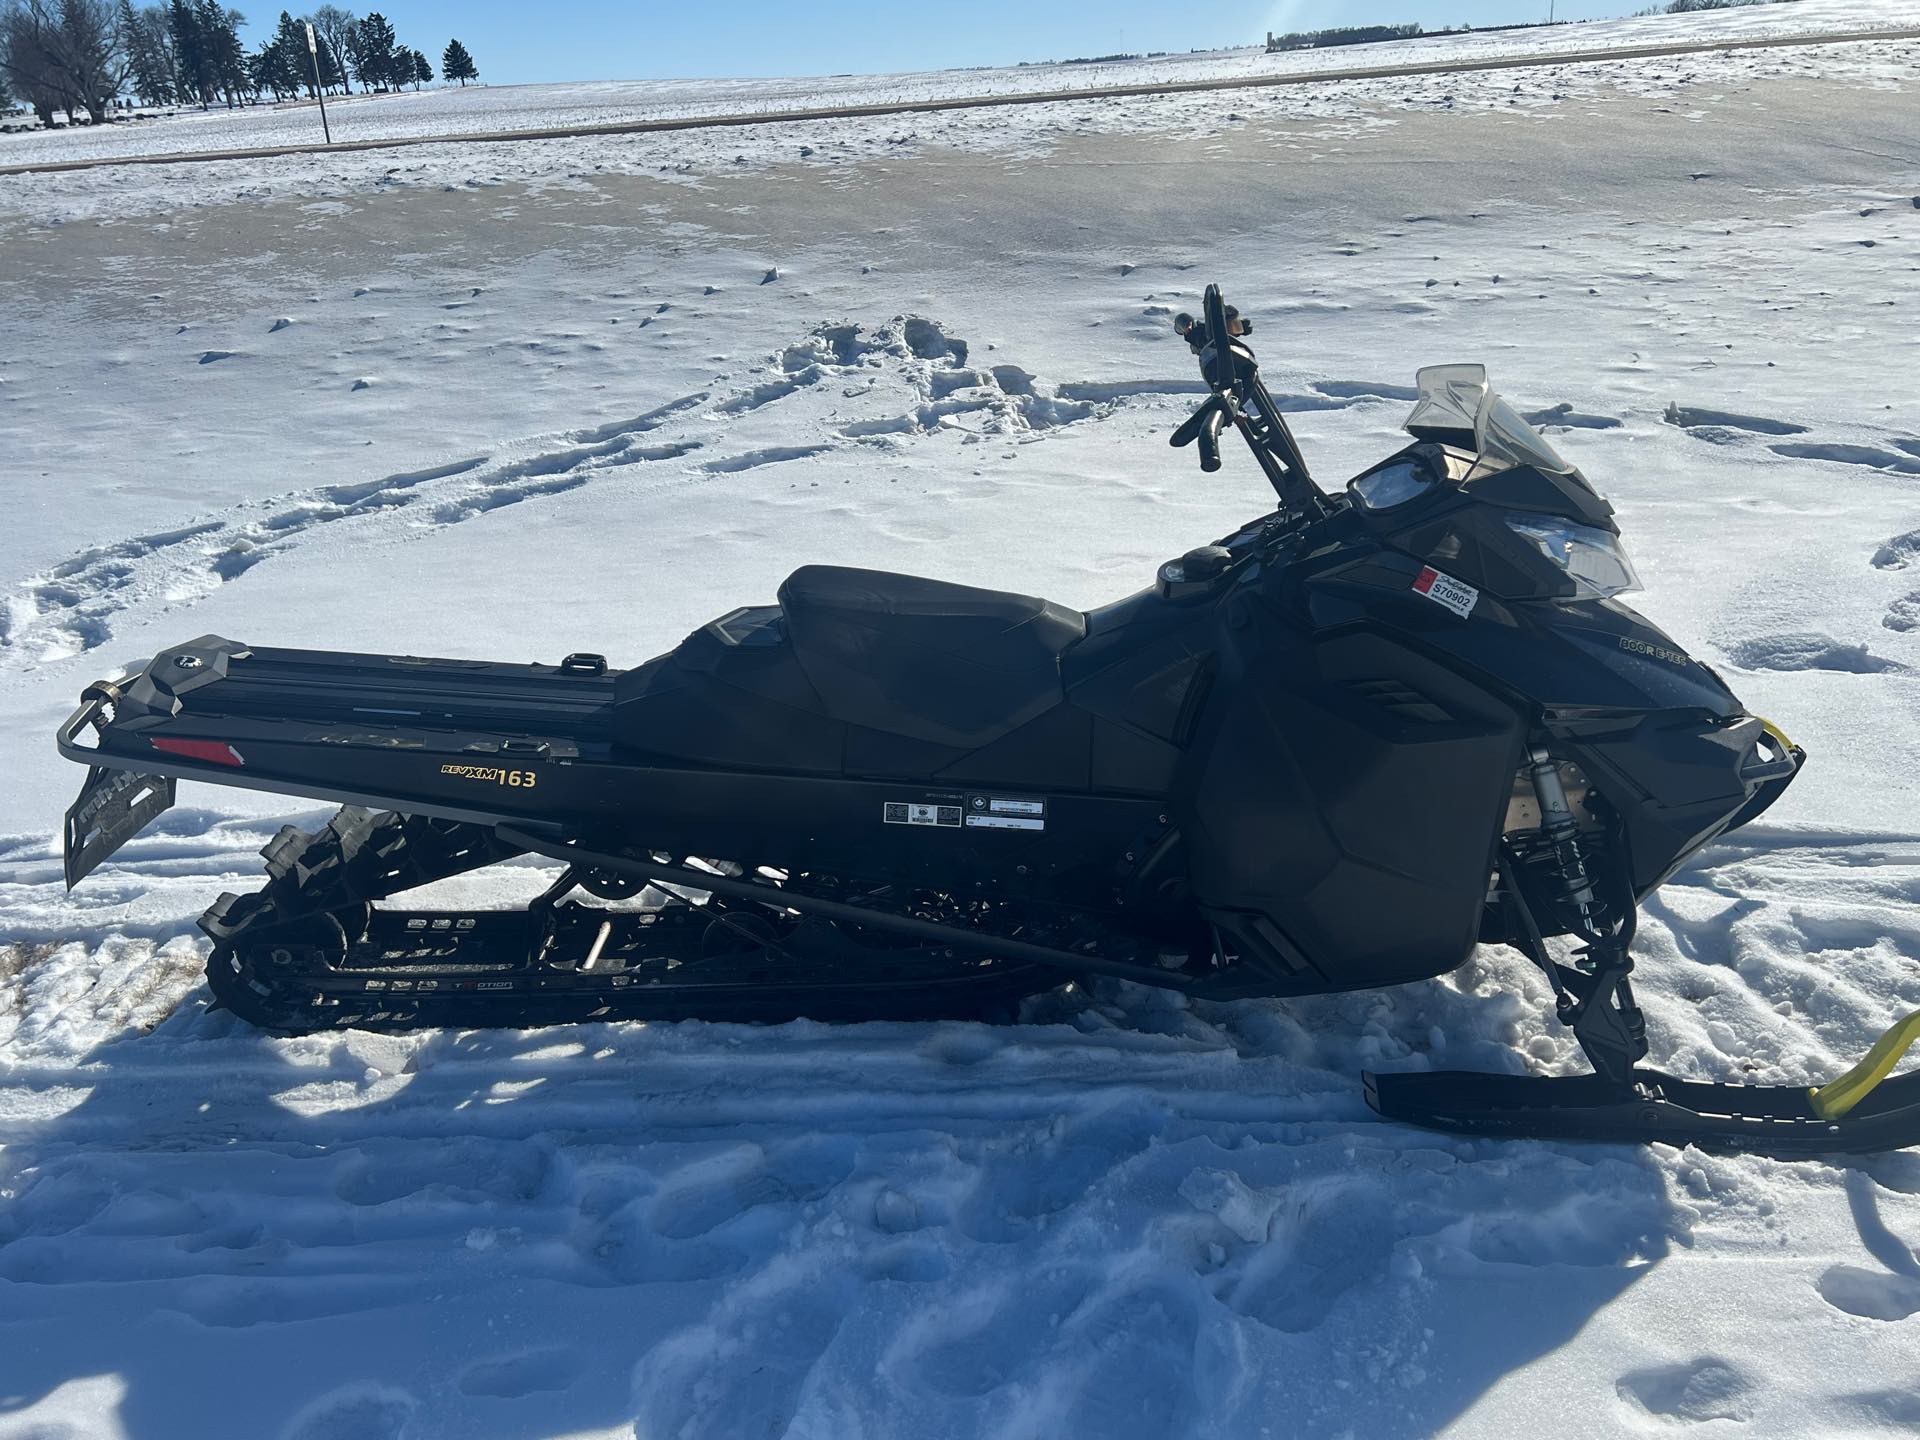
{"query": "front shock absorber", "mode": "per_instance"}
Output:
(1565, 862)
(1601, 1009)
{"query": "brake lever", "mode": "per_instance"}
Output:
(1190, 430)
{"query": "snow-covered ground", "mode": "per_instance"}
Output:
(563, 408)
(466, 110)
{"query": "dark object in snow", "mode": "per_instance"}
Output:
(1336, 750)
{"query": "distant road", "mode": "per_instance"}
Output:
(976, 102)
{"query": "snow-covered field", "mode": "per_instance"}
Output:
(553, 408)
(466, 110)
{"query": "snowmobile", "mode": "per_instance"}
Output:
(1338, 749)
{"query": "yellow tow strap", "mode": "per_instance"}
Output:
(1837, 1097)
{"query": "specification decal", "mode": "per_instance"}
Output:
(902, 812)
(1006, 812)
(493, 775)
(1634, 645)
(1456, 595)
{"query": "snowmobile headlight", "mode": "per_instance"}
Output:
(1392, 485)
(1593, 559)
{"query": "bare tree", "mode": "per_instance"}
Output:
(68, 51)
(336, 27)
(27, 67)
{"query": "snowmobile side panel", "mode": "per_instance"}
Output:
(1345, 801)
(916, 832)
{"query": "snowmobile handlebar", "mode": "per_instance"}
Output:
(1227, 364)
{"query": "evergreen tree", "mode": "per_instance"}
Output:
(295, 66)
(150, 66)
(332, 77)
(192, 62)
(124, 21)
(373, 54)
(422, 71)
(226, 57)
(457, 64)
(263, 70)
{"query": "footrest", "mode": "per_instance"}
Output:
(1777, 1120)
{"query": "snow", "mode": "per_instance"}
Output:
(577, 409)
(468, 109)
(1339, 106)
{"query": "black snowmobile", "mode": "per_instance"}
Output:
(1338, 749)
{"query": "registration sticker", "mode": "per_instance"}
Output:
(1456, 595)
(1006, 812)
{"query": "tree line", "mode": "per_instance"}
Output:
(1345, 35)
(78, 56)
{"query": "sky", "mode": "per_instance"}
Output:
(514, 42)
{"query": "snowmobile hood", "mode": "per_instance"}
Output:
(1572, 655)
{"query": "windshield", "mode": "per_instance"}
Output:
(1457, 406)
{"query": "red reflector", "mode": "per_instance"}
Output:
(217, 752)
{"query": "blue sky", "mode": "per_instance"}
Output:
(525, 41)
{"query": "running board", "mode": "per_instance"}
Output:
(1778, 1120)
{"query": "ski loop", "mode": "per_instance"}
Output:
(1838, 1096)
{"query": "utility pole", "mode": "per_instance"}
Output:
(319, 90)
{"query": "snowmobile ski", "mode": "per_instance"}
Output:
(1784, 1121)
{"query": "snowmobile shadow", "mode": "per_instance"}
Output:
(1162, 1221)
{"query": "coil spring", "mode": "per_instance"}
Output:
(1558, 859)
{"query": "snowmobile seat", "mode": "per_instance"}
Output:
(944, 663)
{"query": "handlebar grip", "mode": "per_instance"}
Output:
(1190, 427)
(1209, 438)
